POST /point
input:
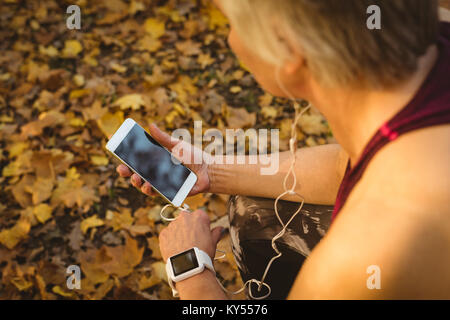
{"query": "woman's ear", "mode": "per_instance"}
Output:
(296, 61)
(294, 66)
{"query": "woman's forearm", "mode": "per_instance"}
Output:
(319, 173)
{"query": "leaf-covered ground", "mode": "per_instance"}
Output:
(63, 92)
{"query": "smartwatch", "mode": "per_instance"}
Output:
(187, 264)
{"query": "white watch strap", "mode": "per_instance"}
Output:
(202, 258)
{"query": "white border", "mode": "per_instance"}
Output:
(185, 189)
(119, 135)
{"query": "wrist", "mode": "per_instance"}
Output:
(198, 282)
(220, 176)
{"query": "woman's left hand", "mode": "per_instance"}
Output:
(190, 229)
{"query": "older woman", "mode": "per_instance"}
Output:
(385, 94)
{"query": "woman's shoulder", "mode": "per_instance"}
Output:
(412, 169)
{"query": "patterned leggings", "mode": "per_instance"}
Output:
(253, 224)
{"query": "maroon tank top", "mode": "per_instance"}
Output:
(429, 107)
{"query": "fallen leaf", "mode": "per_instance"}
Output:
(154, 27)
(11, 237)
(110, 122)
(71, 48)
(42, 212)
(99, 160)
(240, 118)
(313, 124)
(58, 290)
(133, 101)
(91, 222)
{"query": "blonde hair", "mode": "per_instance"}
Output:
(334, 39)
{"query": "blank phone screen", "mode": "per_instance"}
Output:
(154, 163)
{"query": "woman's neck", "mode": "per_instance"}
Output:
(355, 116)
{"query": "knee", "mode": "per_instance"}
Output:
(248, 211)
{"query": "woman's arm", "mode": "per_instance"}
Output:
(319, 173)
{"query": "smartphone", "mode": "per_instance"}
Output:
(136, 148)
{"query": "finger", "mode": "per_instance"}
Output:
(216, 234)
(147, 189)
(123, 170)
(136, 180)
(163, 137)
(203, 216)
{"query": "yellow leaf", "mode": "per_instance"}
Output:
(40, 283)
(135, 6)
(243, 66)
(72, 48)
(50, 51)
(196, 201)
(269, 112)
(216, 18)
(21, 165)
(91, 222)
(77, 122)
(117, 67)
(78, 79)
(119, 220)
(133, 101)
(42, 212)
(179, 109)
(170, 117)
(71, 191)
(17, 148)
(99, 160)
(205, 60)
(148, 43)
(74, 94)
(313, 124)
(285, 128)
(154, 27)
(4, 118)
(235, 89)
(110, 122)
(90, 60)
(21, 283)
(11, 237)
(61, 292)
(148, 282)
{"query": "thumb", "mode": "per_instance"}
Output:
(163, 137)
(217, 234)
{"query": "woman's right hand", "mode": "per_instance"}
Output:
(182, 151)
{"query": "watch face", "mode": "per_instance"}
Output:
(184, 262)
